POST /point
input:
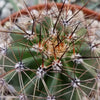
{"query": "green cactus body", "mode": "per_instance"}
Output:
(51, 58)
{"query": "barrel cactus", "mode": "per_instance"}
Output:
(50, 54)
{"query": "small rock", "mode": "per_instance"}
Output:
(5, 12)
(73, 1)
(2, 3)
(20, 6)
(9, 6)
(94, 1)
(67, 1)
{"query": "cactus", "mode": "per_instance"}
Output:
(50, 54)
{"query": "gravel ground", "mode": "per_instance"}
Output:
(8, 7)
